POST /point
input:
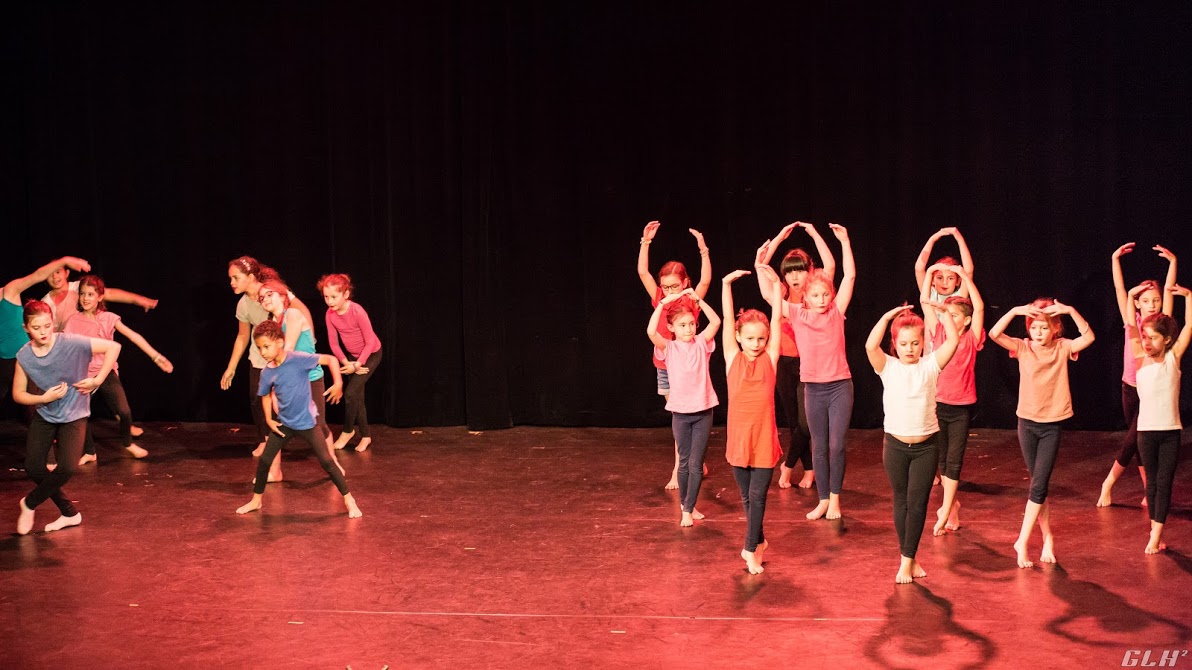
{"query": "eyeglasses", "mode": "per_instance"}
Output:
(671, 288)
(265, 295)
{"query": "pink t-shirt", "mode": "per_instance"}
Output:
(1129, 365)
(1043, 393)
(687, 367)
(662, 322)
(957, 384)
(103, 326)
(821, 343)
(356, 331)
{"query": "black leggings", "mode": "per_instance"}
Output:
(316, 392)
(67, 441)
(790, 395)
(910, 468)
(1159, 452)
(254, 402)
(355, 411)
(691, 435)
(953, 437)
(1130, 410)
(112, 392)
(315, 439)
(1040, 447)
(754, 484)
(8, 367)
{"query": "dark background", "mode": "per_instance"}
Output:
(483, 171)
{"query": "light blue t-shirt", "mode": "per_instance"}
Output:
(291, 382)
(66, 361)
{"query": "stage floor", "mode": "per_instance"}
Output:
(554, 547)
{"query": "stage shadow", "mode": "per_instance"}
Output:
(1182, 562)
(28, 552)
(1113, 621)
(968, 557)
(920, 627)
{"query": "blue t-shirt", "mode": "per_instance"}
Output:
(291, 382)
(306, 344)
(12, 329)
(66, 361)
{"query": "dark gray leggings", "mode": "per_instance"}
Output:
(112, 392)
(1130, 411)
(355, 409)
(910, 468)
(1159, 451)
(691, 434)
(953, 437)
(829, 408)
(794, 406)
(66, 439)
(315, 438)
(1040, 446)
(754, 484)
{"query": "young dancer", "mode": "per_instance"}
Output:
(910, 452)
(944, 283)
(1158, 351)
(672, 280)
(63, 297)
(1044, 401)
(94, 320)
(1149, 302)
(347, 321)
(13, 335)
(691, 396)
(57, 362)
(956, 388)
(287, 377)
(245, 275)
(751, 351)
(818, 324)
(793, 269)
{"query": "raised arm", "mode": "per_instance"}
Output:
(925, 256)
(1181, 342)
(656, 320)
(1119, 284)
(238, 347)
(966, 257)
(775, 241)
(709, 332)
(998, 332)
(143, 344)
(14, 288)
(1086, 331)
(765, 284)
(929, 315)
(873, 343)
(825, 252)
(705, 265)
(129, 298)
(1169, 281)
(728, 341)
(945, 351)
(643, 258)
(1130, 318)
(774, 343)
(977, 324)
(844, 294)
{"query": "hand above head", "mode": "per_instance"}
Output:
(76, 264)
(839, 231)
(1134, 291)
(650, 230)
(785, 233)
(934, 304)
(767, 272)
(1123, 250)
(944, 232)
(1179, 290)
(1164, 252)
(734, 276)
(896, 311)
(699, 239)
(760, 257)
(1057, 309)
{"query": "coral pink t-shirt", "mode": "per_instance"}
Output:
(957, 384)
(103, 326)
(1129, 365)
(1043, 392)
(687, 368)
(821, 343)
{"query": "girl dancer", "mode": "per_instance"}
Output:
(348, 321)
(818, 323)
(94, 320)
(910, 453)
(63, 297)
(299, 336)
(944, 283)
(1158, 352)
(794, 268)
(1044, 401)
(1148, 303)
(752, 448)
(691, 396)
(245, 275)
(672, 280)
(287, 376)
(956, 388)
(58, 363)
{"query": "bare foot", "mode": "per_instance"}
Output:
(761, 551)
(905, 572)
(1106, 498)
(784, 479)
(833, 508)
(51, 466)
(1023, 561)
(695, 514)
(954, 517)
(274, 476)
(941, 518)
(1048, 553)
(705, 469)
(751, 562)
(64, 522)
(252, 506)
(87, 458)
(807, 481)
(674, 480)
(819, 511)
(25, 520)
(353, 511)
(1144, 502)
(917, 570)
(137, 452)
(343, 439)
(256, 453)
(687, 520)
(364, 442)
(136, 431)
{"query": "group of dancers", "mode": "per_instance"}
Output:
(56, 352)
(929, 385)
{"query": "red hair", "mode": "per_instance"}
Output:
(752, 316)
(680, 306)
(279, 288)
(818, 276)
(907, 319)
(35, 308)
(96, 283)
(343, 281)
(1057, 326)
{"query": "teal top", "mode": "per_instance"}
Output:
(12, 329)
(306, 344)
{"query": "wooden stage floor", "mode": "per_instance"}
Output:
(556, 547)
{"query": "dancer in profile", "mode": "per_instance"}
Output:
(1044, 401)
(57, 362)
(287, 377)
(347, 322)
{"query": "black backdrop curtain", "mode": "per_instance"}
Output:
(483, 172)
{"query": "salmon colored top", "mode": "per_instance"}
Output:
(752, 431)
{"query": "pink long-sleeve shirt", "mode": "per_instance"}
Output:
(356, 331)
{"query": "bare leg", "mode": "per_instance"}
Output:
(784, 477)
(946, 508)
(819, 511)
(1048, 553)
(833, 506)
(256, 453)
(1028, 522)
(761, 551)
(1155, 545)
(343, 439)
(1106, 498)
(353, 511)
(1142, 473)
(275, 469)
(251, 506)
(674, 480)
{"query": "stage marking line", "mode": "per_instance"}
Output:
(515, 615)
